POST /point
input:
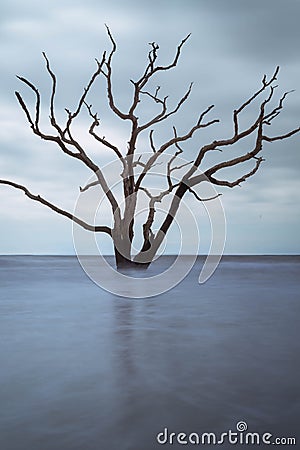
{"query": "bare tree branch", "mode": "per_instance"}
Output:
(103, 141)
(88, 87)
(265, 84)
(257, 126)
(35, 128)
(60, 211)
(71, 116)
(61, 140)
(138, 162)
(152, 56)
(24, 108)
(150, 70)
(89, 185)
(281, 136)
(151, 141)
(240, 159)
(37, 105)
(109, 80)
(238, 181)
(175, 141)
(147, 231)
(80, 156)
(159, 116)
(200, 199)
(163, 115)
(53, 92)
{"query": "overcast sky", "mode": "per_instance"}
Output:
(233, 44)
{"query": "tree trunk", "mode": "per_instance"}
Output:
(123, 262)
(123, 235)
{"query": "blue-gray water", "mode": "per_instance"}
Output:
(84, 369)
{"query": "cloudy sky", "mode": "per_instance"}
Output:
(232, 45)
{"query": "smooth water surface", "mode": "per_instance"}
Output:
(84, 369)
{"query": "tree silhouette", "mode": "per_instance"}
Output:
(136, 168)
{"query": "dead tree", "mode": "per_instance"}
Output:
(133, 180)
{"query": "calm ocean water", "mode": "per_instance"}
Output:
(84, 369)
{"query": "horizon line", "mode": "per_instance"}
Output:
(189, 254)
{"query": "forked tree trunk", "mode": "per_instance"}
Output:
(123, 235)
(123, 262)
